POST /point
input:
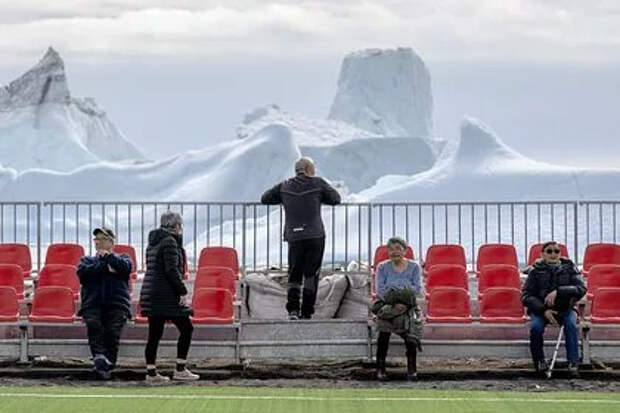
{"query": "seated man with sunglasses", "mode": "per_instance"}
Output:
(552, 288)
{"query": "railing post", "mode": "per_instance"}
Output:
(39, 208)
(370, 263)
(576, 231)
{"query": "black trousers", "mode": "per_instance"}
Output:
(104, 327)
(304, 265)
(156, 330)
(383, 342)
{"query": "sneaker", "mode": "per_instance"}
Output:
(293, 315)
(306, 317)
(101, 375)
(184, 375)
(540, 366)
(157, 378)
(573, 370)
(102, 363)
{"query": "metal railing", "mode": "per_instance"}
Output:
(353, 230)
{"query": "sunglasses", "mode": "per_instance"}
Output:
(552, 251)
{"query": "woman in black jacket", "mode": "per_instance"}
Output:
(163, 295)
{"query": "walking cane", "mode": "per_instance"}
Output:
(555, 353)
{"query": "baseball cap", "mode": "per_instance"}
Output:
(105, 231)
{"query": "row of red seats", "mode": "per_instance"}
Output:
(56, 304)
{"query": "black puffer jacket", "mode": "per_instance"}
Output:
(302, 197)
(163, 283)
(544, 278)
(101, 288)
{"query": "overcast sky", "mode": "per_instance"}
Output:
(178, 75)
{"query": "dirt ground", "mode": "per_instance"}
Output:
(461, 374)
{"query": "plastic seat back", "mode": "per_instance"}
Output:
(536, 250)
(213, 306)
(131, 253)
(606, 306)
(18, 254)
(11, 275)
(496, 254)
(59, 275)
(502, 305)
(498, 275)
(382, 254)
(449, 305)
(600, 254)
(216, 277)
(444, 254)
(69, 254)
(446, 275)
(220, 257)
(53, 305)
(9, 307)
(603, 275)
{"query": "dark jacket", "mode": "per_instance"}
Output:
(163, 282)
(102, 289)
(544, 278)
(302, 197)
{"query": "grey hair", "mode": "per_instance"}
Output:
(170, 219)
(397, 240)
(303, 163)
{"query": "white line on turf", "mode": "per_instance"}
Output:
(303, 398)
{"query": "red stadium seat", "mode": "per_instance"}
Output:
(64, 254)
(11, 275)
(502, 305)
(9, 307)
(498, 275)
(603, 275)
(213, 306)
(444, 254)
(53, 305)
(496, 254)
(59, 275)
(449, 305)
(446, 275)
(16, 254)
(536, 249)
(131, 252)
(606, 306)
(216, 277)
(600, 254)
(220, 257)
(138, 317)
(381, 254)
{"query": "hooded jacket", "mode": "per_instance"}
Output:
(101, 288)
(302, 197)
(163, 285)
(543, 278)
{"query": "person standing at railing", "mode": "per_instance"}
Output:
(163, 296)
(398, 285)
(106, 304)
(302, 197)
(552, 287)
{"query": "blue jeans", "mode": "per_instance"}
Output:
(566, 318)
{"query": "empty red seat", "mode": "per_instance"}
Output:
(498, 275)
(220, 257)
(9, 307)
(213, 306)
(448, 305)
(496, 254)
(446, 275)
(536, 249)
(131, 253)
(59, 275)
(444, 254)
(502, 305)
(11, 275)
(606, 306)
(18, 254)
(216, 277)
(600, 254)
(603, 275)
(53, 305)
(64, 254)
(382, 254)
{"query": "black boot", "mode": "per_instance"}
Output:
(412, 365)
(383, 341)
(381, 374)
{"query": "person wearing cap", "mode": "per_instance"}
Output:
(105, 301)
(302, 197)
